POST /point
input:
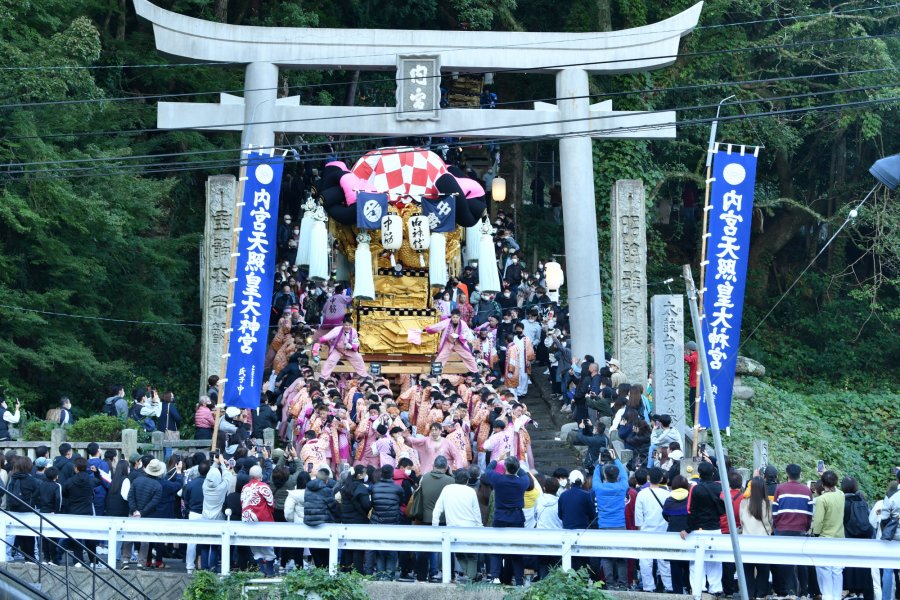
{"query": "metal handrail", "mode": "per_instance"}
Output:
(699, 547)
(42, 534)
(43, 568)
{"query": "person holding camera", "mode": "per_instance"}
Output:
(662, 435)
(7, 418)
(594, 437)
(610, 484)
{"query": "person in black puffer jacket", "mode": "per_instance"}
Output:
(387, 497)
(355, 506)
(144, 498)
(23, 485)
(705, 508)
(319, 507)
(78, 499)
(675, 512)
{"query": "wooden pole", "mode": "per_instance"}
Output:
(694, 441)
(235, 236)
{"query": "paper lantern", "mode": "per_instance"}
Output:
(554, 278)
(419, 238)
(488, 277)
(392, 235)
(437, 260)
(305, 229)
(318, 246)
(364, 283)
(498, 189)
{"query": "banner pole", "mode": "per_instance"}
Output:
(691, 292)
(710, 150)
(235, 225)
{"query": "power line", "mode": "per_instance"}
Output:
(136, 170)
(682, 55)
(605, 35)
(438, 134)
(507, 103)
(86, 317)
(850, 216)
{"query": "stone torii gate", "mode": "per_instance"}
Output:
(419, 58)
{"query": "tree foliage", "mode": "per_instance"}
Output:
(108, 240)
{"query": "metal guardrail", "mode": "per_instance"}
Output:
(698, 547)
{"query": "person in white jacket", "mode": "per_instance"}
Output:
(459, 505)
(648, 516)
(546, 516)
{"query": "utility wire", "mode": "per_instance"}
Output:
(435, 134)
(107, 319)
(673, 56)
(605, 35)
(850, 216)
(339, 155)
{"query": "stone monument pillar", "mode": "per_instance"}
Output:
(760, 454)
(221, 192)
(629, 275)
(667, 325)
(580, 216)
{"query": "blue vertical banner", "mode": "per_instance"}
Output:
(728, 251)
(254, 276)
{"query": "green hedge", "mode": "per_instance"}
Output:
(854, 433)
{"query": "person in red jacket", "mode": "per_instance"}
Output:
(692, 358)
(258, 505)
(735, 482)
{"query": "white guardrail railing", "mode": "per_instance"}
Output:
(698, 547)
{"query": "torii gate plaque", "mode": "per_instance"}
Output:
(571, 56)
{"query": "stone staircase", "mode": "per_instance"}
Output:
(548, 452)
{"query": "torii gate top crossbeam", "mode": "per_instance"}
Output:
(629, 50)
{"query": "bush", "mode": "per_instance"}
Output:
(563, 585)
(300, 583)
(38, 431)
(341, 586)
(101, 428)
(855, 433)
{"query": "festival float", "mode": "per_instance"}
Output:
(400, 216)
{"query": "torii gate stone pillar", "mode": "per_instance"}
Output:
(419, 58)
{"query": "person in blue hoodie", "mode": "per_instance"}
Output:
(610, 484)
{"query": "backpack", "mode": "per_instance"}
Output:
(857, 522)
(109, 408)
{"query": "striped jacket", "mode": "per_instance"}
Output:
(792, 507)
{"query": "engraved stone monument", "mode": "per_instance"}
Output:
(215, 265)
(667, 325)
(629, 275)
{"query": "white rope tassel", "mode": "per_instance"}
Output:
(437, 260)
(305, 230)
(318, 247)
(488, 277)
(364, 282)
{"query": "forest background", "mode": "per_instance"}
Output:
(87, 227)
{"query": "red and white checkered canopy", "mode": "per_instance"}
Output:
(399, 171)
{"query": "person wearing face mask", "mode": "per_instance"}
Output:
(507, 299)
(513, 273)
(519, 354)
(284, 234)
(335, 308)
(293, 244)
